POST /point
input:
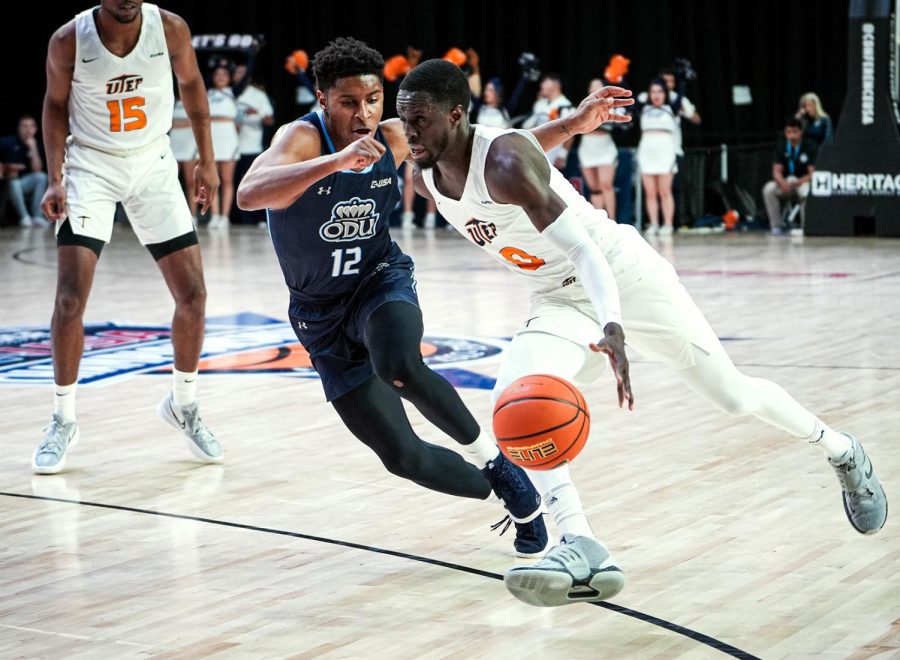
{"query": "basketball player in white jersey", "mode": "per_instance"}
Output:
(591, 278)
(109, 84)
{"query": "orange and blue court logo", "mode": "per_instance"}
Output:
(241, 344)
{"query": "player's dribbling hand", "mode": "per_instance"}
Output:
(600, 107)
(206, 183)
(53, 204)
(613, 344)
(360, 154)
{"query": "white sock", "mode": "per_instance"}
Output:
(835, 445)
(430, 220)
(562, 500)
(64, 401)
(482, 451)
(184, 387)
(408, 218)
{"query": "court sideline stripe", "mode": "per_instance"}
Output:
(640, 616)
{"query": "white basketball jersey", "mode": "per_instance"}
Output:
(505, 230)
(119, 104)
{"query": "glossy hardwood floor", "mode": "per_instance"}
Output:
(301, 545)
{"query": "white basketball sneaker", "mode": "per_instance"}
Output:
(200, 440)
(578, 570)
(50, 456)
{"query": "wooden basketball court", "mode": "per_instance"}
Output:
(731, 533)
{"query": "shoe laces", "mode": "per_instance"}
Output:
(54, 440)
(843, 472)
(507, 520)
(195, 423)
(523, 530)
(506, 481)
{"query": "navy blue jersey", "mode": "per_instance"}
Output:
(336, 232)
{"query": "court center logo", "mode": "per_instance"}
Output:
(246, 343)
(350, 221)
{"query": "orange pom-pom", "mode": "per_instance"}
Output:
(616, 69)
(456, 56)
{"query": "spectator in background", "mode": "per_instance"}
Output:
(683, 109)
(489, 109)
(792, 170)
(551, 104)
(23, 168)
(598, 156)
(223, 115)
(254, 113)
(184, 148)
(656, 156)
(816, 123)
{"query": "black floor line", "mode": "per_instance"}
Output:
(662, 623)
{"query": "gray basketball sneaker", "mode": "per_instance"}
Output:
(864, 500)
(50, 456)
(199, 439)
(578, 570)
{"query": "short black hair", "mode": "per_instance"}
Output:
(443, 81)
(345, 57)
(792, 122)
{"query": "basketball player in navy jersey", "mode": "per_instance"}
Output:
(593, 283)
(329, 182)
(109, 87)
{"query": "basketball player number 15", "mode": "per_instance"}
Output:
(348, 257)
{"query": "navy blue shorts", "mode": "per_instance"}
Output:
(334, 333)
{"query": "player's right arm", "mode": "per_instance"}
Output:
(55, 118)
(517, 173)
(294, 162)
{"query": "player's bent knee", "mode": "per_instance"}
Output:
(398, 372)
(731, 402)
(407, 465)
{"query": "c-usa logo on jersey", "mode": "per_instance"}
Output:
(350, 221)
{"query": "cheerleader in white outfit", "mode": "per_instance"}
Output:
(599, 156)
(656, 157)
(184, 148)
(223, 112)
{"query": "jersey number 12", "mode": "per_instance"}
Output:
(345, 261)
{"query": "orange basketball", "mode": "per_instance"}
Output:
(541, 421)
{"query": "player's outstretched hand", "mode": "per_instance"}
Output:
(206, 183)
(360, 154)
(53, 204)
(600, 107)
(613, 344)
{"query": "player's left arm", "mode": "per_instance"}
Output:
(595, 109)
(393, 133)
(517, 173)
(192, 91)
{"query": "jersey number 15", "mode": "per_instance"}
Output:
(128, 110)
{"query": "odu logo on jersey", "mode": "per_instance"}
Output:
(350, 221)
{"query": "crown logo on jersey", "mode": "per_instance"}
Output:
(128, 82)
(350, 221)
(481, 232)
